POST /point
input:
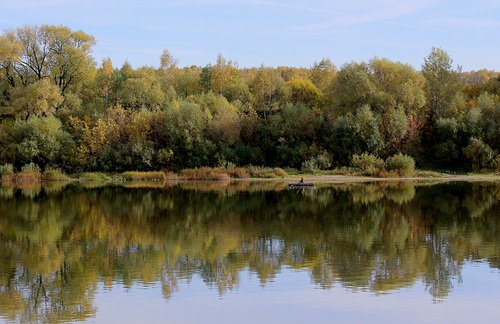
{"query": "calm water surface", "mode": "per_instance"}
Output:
(250, 252)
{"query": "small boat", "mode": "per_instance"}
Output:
(301, 184)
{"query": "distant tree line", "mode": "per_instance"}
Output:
(59, 108)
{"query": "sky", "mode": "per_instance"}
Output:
(274, 32)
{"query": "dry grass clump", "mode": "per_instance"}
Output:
(93, 176)
(144, 175)
(232, 173)
(55, 175)
(236, 173)
(260, 172)
(204, 174)
(29, 173)
(7, 174)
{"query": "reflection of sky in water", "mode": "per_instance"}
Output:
(252, 253)
(291, 298)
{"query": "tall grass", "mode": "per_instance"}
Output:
(261, 172)
(55, 175)
(204, 174)
(231, 173)
(7, 174)
(93, 176)
(144, 175)
(29, 173)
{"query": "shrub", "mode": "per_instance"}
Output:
(321, 161)
(481, 156)
(55, 175)
(30, 167)
(280, 172)
(29, 173)
(6, 169)
(402, 165)
(7, 173)
(368, 164)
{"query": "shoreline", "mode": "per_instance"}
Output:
(318, 179)
(354, 178)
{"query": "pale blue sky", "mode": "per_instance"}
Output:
(274, 32)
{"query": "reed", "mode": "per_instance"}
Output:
(93, 176)
(29, 173)
(144, 175)
(204, 174)
(55, 175)
(261, 172)
(232, 173)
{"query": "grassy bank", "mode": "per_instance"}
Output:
(32, 175)
(55, 175)
(144, 175)
(232, 173)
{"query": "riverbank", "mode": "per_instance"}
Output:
(343, 175)
(354, 178)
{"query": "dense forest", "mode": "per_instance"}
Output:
(59, 108)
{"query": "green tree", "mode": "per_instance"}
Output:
(53, 52)
(395, 128)
(489, 105)
(41, 140)
(303, 92)
(344, 140)
(105, 79)
(322, 73)
(369, 130)
(442, 81)
(481, 156)
(141, 90)
(266, 87)
(10, 52)
(40, 98)
(397, 85)
(352, 88)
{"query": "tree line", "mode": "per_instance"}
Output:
(59, 108)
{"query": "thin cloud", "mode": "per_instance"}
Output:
(462, 23)
(36, 4)
(289, 5)
(372, 11)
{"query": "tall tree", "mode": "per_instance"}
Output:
(10, 52)
(54, 52)
(443, 81)
(266, 87)
(352, 88)
(322, 73)
(105, 79)
(397, 85)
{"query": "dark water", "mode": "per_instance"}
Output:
(250, 252)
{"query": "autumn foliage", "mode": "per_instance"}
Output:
(69, 113)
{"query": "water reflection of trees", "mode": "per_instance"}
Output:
(58, 244)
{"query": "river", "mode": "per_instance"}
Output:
(248, 252)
